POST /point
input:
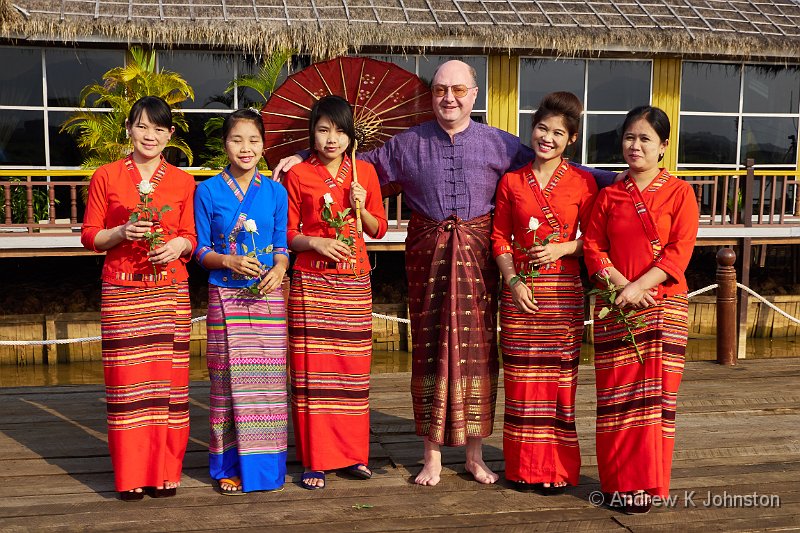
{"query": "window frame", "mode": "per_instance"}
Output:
(740, 115)
(528, 113)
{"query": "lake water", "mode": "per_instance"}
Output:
(84, 373)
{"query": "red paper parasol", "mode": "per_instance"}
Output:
(386, 100)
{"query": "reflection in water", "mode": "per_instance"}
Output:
(91, 372)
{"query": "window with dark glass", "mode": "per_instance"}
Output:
(539, 77)
(70, 70)
(771, 89)
(731, 113)
(603, 138)
(21, 137)
(208, 74)
(708, 140)
(769, 140)
(64, 151)
(710, 87)
(617, 85)
(20, 77)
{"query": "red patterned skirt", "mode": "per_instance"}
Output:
(452, 300)
(636, 402)
(330, 347)
(541, 353)
(146, 365)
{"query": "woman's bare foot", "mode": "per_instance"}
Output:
(557, 484)
(475, 465)
(432, 471)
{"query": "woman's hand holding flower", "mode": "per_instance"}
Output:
(168, 252)
(331, 248)
(546, 254)
(243, 264)
(522, 297)
(635, 295)
(134, 231)
(272, 280)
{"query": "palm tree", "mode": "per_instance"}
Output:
(101, 134)
(264, 83)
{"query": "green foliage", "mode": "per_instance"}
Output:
(101, 135)
(19, 202)
(264, 83)
(629, 320)
(337, 223)
(266, 79)
(533, 271)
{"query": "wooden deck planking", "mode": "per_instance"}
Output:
(738, 432)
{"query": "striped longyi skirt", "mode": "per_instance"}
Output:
(330, 347)
(541, 352)
(145, 344)
(636, 402)
(246, 360)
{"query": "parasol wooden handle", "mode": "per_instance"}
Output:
(359, 227)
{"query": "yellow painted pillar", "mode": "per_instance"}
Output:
(502, 102)
(667, 96)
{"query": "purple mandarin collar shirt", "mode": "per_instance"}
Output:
(441, 177)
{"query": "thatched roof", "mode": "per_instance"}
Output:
(732, 28)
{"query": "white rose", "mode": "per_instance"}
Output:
(250, 226)
(145, 187)
(328, 198)
(533, 224)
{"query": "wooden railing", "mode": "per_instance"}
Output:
(745, 198)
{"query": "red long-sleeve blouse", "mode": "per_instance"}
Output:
(113, 194)
(570, 193)
(615, 235)
(307, 186)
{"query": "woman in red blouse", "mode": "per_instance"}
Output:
(640, 238)
(534, 239)
(140, 212)
(330, 301)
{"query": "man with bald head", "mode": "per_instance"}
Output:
(448, 169)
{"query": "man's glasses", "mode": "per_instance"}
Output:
(459, 91)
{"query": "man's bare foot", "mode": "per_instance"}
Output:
(475, 465)
(481, 472)
(432, 471)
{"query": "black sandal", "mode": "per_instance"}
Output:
(131, 495)
(638, 503)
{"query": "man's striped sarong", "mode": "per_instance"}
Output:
(330, 347)
(246, 359)
(541, 353)
(452, 300)
(636, 402)
(145, 347)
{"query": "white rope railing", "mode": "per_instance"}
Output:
(406, 321)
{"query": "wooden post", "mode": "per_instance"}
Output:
(726, 307)
(746, 255)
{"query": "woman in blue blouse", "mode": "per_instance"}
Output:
(241, 230)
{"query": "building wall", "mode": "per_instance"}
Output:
(732, 110)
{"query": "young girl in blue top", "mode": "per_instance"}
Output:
(241, 225)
